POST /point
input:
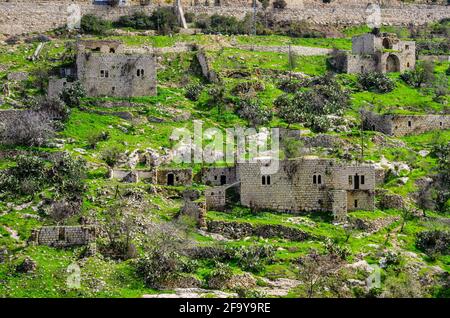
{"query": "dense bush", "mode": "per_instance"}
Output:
(158, 266)
(55, 108)
(254, 257)
(193, 91)
(248, 87)
(375, 82)
(251, 110)
(111, 156)
(216, 24)
(67, 175)
(423, 74)
(279, 4)
(292, 85)
(311, 106)
(72, 94)
(139, 21)
(91, 24)
(164, 20)
(433, 46)
(434, 242)
(28, 128)
(219, 276)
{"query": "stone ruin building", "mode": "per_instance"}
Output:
(107, 68)
(401, 125)
(63, 236)
(305, 184)
(380, 52)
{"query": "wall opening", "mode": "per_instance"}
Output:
(387, 44)
(392, 64)
(409, 123)
(223, 180)
(356, 203)
(62, 234)
(356, 183)
(170, 179)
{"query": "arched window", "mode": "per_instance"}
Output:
(263, 180)
(268, 180)
(314, 179)
(319, 179)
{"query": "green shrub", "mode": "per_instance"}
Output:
(165, 20)
(279, 4)
(193, 91)
(158, 266)
(218, 277)
(254, 257)
(91, 24)
(72, 94)
(422, 74)
(250, 110)
(111, 156)
(375, 82)
(139, 21)
(434, 242)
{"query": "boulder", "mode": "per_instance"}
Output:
(27, 266)
(391, 201)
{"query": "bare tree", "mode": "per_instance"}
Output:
(27, 128)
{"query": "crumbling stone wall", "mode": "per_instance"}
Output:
(216, 176)
(64, 236)
(18, 16)
(136, 176)
(56, 86)
(175, 177)
(107, 72)
(381, 52)
(401, 125)
(305, 185)
(239, 230)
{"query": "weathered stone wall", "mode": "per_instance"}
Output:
(238, 230)
(215, 198)
(216, 176)
(401, 125)
(299, 50)
(115, 74)
(56, 86)
(180, 177)
(304, 185)
(17, 17)
(124, 175)
(63, 236)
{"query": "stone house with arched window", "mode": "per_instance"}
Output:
(376, 51)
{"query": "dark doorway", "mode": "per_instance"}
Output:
(392, 64)
(170, 179)
(61, 234)
(356, 183)
(223, 180)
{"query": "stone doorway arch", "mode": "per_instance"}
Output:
(392, 64)
(387, 43)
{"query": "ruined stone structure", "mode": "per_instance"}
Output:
(217, 176)
(63, 236)
(217, 198)
(308, 184)
(105, 70)
(174, 177)
(132, 176)
(24, 16)
(401, 125)
(381, 52)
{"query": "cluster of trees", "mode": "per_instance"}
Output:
(323, 96)
(35, 126)
(163, 19)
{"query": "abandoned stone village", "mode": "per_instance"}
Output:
(357, 187)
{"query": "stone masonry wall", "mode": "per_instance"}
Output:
(303, 184)
(401, 125)
(181, 177)
(216, 176)
(122, 80)
(64, 236)
(17, 17)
